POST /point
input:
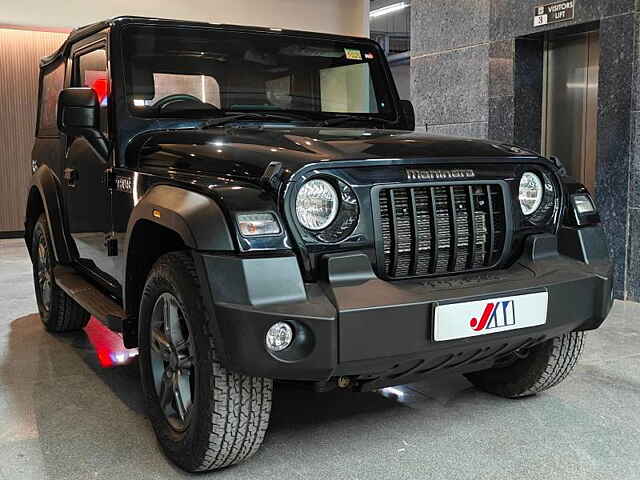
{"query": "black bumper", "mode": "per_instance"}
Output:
(380, 333)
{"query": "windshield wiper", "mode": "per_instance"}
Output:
(354, 118)
(217, 122)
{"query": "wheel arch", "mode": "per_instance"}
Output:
(45, 197)
(169, 219)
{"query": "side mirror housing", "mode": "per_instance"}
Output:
(408, 114)
(78, 111)
(79, 116)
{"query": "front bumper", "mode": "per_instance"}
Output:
(379, 333)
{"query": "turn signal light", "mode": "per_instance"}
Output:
(583, 204)
(255, 224)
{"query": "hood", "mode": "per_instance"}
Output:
(246, 151)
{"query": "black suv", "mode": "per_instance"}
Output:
(250, 204)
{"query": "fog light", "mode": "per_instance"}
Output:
(279, 336)
(583, 204)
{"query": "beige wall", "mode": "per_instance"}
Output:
(348, 17)
(22, 48)
(20, 52)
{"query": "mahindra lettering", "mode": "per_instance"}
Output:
(248, 205)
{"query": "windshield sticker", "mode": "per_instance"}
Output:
(353, 54)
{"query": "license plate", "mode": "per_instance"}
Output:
(483, 317)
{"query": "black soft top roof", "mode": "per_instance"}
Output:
(88, 30)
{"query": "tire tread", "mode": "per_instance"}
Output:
(546, 366)
(239, 413)
(65, 314)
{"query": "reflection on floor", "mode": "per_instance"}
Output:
(62, 415)
(108, 345)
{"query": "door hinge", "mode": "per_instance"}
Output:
(109, 179)
(111, 244)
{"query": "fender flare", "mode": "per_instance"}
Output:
(197, 218)
(201, 224)
(47, 184)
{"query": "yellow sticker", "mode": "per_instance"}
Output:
(352, 54)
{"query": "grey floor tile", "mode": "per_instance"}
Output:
(62, 416)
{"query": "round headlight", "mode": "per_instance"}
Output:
(531, 192)
(317, 204)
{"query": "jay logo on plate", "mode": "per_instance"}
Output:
(495, 315)
(482, 317)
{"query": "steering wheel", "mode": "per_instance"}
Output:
(178, 97)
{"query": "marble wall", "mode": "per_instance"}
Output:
(476, 70)
(450, 65)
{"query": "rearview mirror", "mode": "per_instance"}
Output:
(79, 116)
(408, 114)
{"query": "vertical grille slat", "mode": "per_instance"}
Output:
(415, 252)
(492, 230)
(394, 233)
(453, 245)
(435, 239)
(435, 230)
(472, 229)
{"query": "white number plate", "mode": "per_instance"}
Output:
(482, 317)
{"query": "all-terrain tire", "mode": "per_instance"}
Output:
(545, 366)
(58, 311)
(230, 411)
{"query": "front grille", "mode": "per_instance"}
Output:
(434, 230)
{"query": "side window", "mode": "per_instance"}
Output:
(52, 82)
(91, 71)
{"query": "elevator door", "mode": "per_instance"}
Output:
(570, 117)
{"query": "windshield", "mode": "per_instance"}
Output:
(172, 71)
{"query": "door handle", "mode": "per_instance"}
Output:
(71, 177)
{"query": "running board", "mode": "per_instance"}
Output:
(91, 299)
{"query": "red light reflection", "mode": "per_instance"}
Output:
(108, 345)
(101, 87)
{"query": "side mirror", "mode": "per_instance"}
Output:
(408, 114)
(79, 116)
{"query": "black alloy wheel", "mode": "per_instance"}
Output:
(44, 277)
(172, 361)
(205, 417)
(58, 311)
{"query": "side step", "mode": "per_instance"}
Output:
(91, 299)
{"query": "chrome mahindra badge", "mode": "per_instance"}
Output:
(438, 174)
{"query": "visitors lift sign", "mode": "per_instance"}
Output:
(553, 12)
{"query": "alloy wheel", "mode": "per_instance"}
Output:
(44, 275)
(172, 361)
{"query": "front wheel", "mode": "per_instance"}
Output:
(205, 417)
(545, 366)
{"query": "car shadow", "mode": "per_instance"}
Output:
(100, 411)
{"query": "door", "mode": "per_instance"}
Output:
(87, 197)
(570, 109)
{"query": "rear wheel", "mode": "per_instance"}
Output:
(545, 366)
(58, 311)
(205, 417)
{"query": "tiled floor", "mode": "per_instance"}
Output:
(64, 416)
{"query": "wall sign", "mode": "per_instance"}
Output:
(553, 13)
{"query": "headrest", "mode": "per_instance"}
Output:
(142, 83)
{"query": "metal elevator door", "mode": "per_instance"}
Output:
(570, 103)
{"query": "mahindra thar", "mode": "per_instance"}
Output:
(247, 205)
